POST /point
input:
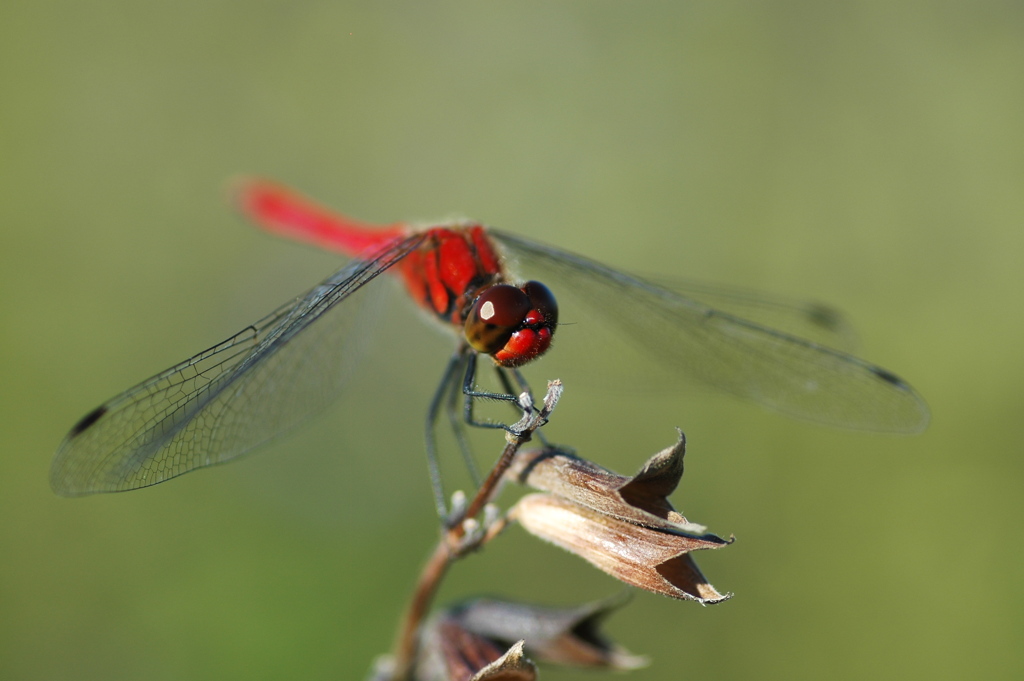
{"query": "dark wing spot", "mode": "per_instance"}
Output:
(889, 377)
(824, 317)
(87, 420)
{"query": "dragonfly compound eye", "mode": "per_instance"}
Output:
(533, 336)
(496, 314)
(542, 303)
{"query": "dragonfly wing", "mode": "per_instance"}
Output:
(807, 319)
(225, 400)
(784, 372)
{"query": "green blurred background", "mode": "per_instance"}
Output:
(868, 154)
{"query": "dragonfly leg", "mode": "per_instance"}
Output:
(458, 431)
(446, 397)
(471, 394)
(507, 384)
(447, 385)
(523, 387)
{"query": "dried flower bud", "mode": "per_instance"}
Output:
(654, 560)
(449, 652)
(568, 636)
(624, 526)
(641, 499)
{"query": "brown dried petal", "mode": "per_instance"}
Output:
(449, 652)
(569, 636)
(657, 479)
(641, 499)
(512, 666)
(653, 559)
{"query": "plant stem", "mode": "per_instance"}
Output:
(451, 545)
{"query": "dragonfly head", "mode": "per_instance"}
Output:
(512, 324)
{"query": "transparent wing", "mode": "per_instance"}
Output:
(807, 319)
(784, 372)
(225, 400)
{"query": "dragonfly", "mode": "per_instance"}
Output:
(274, 373)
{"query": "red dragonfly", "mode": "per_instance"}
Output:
(274, 373)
